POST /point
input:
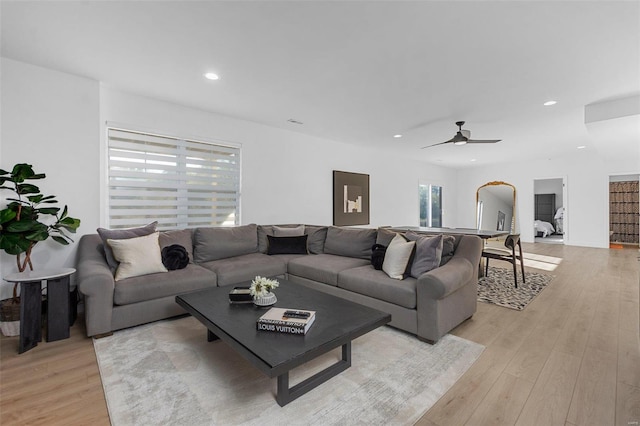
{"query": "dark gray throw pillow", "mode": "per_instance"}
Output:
(287, 245)
(317, 236)
(449, 246)
(428, 253)
(122, 234)
(385, 236)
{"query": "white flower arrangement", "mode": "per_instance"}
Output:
(261, 286)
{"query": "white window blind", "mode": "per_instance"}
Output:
(180, 183)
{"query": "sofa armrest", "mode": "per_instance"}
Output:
(96, 283)
(440, 282)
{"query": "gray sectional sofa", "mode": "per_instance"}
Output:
(338, 262)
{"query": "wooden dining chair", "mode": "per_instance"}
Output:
(507, 255)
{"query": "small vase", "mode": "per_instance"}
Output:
(267, 300)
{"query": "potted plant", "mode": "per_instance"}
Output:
(21, 227)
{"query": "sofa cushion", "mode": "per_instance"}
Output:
(156, 286)
(181, 237)
(221, 243)
(317, 236)
(350, 242)
(396, 257)
(121, 234)
(287, 245)
(137, 256)
(323, 268)
(243, 268)
(428, 253)
(366, 280)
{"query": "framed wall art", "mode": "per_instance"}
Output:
(350, 198)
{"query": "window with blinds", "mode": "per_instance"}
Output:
(178, 182)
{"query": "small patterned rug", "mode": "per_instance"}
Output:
(498, 288)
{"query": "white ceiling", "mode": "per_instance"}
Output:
(358, 72)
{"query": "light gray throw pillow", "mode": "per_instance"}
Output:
(280, 231)
(428, 253)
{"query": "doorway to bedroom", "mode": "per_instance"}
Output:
(549, 225)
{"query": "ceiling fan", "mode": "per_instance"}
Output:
(463, 137)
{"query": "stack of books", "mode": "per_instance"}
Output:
(282, 320)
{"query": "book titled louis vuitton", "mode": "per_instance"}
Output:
(283, 320)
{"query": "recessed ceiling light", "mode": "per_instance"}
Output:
(582, 147)
(397, 136)
(473, 159)
(211, 76)
(549, 103)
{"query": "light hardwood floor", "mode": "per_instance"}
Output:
(571, 358)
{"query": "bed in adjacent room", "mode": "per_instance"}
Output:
(542, 227)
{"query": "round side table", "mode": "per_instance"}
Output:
(58, 305)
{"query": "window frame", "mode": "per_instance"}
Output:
(429, 206)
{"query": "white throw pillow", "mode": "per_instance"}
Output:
(137, 256)
(397, 257)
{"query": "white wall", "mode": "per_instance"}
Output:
(51, 120)
(287, 176)
(55, 121)
(550, 186)
(587, 203)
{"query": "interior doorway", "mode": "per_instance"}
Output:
(624, 211)
(550, 215)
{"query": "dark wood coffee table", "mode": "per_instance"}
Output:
(337, 323)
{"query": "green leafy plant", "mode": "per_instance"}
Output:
(20, 225)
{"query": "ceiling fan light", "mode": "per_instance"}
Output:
(460, 143)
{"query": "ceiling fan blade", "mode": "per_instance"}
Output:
(459, 137)
(435, 144)
(483, 140)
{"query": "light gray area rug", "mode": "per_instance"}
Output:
(498, 287)
(167, 373)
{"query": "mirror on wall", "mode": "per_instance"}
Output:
(496, 207)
